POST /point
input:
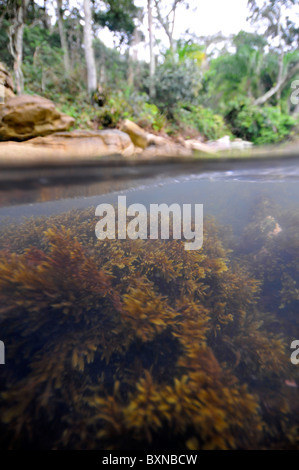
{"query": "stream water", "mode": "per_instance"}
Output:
(141, 344)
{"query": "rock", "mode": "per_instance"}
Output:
(138, 135)
(180, 140)
(154, 145)
(24, 117)
(168, 150)
(241, 144)
(221, 144)
(157, 140)
(88, 143)
(198, 146)
(6, 85)
(137, 150)
(68, 145)
(224, 143)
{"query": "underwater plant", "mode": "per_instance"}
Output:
(139, 344)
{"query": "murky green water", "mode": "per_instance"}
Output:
(140, 344)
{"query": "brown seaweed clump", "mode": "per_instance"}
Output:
(136, 344)
(270, 248)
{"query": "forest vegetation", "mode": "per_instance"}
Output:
(238, 85)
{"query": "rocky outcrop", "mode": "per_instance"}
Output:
(141, 138)
(87, 143)
(225, 143)
(150, 145)
(198, 146)
(167, 150)
(6, 85)
(68, 145)
(24, 117)
(138, 135)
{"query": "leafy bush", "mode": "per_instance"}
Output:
(43, 66)
(259, 125)
(276, 127)
(211, 125)
(81, 110)
(112, 65)
(134, 106)
(176, 82)
(6, 57)
(150, 116)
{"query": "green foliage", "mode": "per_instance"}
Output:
(119, 17)
(191, 95)
(127, 105)
(43, 60)
(188, 51)
(112, 65)
(251, 40)
(80, 109)
(115, 109)
(174, 82)
(271, 13)
(259, 125)
(236, 74)
(202, 119)
(275, 126)
(5, 55)
(235, 80)
(36, 37)
(150, 116)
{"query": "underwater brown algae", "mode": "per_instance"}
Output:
(140, 344)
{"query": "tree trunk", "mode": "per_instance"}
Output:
(168, 22)
(15, 33)
(281, 55)
(89, 52)
(62, 35)
(262, 99)
(151, 47)
(278, 86)
(132, 58)
(19, 51)
(46, 18)
(282, 77)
